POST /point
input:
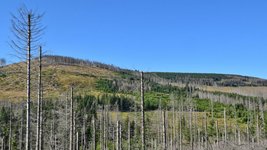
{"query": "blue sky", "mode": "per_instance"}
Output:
(212, 36)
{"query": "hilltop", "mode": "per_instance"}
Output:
(96, 78)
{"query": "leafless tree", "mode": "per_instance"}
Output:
(142, 113)
(71, 120)
(39, 100)
(27, 32)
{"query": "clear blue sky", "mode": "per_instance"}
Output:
(213, 36)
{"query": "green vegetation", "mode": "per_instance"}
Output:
(2, 75)
(105, 85)
(110, 95)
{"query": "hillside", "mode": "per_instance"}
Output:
(108, 98)
(97, 78)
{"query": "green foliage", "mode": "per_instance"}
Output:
(124, 103)
(2, 75)
(127, 75)
(155, 87)
(86, 105)
(153, 100)
(4, 121)
(106, 85)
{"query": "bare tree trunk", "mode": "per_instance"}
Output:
(191, 131)
(206, 131)
(164, 131)
(41, 121)
(74, 129)
(77, 140)
(101, 129)
(257, 129)
(217, 134)
(262, 118)
(39, 100)
(180, 120)
(159, 123)
(21, 128)
(239, 140)
(66, 146)
(84, 144)
(248, 123)
(94, 133)
(225, 126)
(173, 127)
(10, 128)
(135, 124)
(104, 128)
(3, 144)
(199, 138)
(28, 125)
(142, 114)
(236, 138)
(51, 145)
(129, 133)
(117, 136)
(120, 140)
(71, 120)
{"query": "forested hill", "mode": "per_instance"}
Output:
(212, 79)
(198, 78)
(96, 78)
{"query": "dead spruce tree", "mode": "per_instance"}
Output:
(39, 100)
(71, 119)
(142, 113)
(27, 31)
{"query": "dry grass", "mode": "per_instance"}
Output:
(246, 91)
(56, 79)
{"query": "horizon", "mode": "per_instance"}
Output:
(148, 71)
(183, 37)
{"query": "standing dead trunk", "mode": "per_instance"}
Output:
(173, 127)
(77, 140)
(129, 133)
(206, 130)
(180, 127)
(94, 134)
(159, 139)
(236, 138)
(71, 120)
(225, 126)
(217, 133)
(41, 121)
(239, 138)
(84, 139)
(21, 128)
(120, 140)
(3, 144)
(118, 136)
(39, 100)
(10, 128)
(248, 123)
(191, 130)
(28, 125)
(164, 131)
(262, 118)
(104, 127)
(74, 129)
(257, 129)
(142, 114)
